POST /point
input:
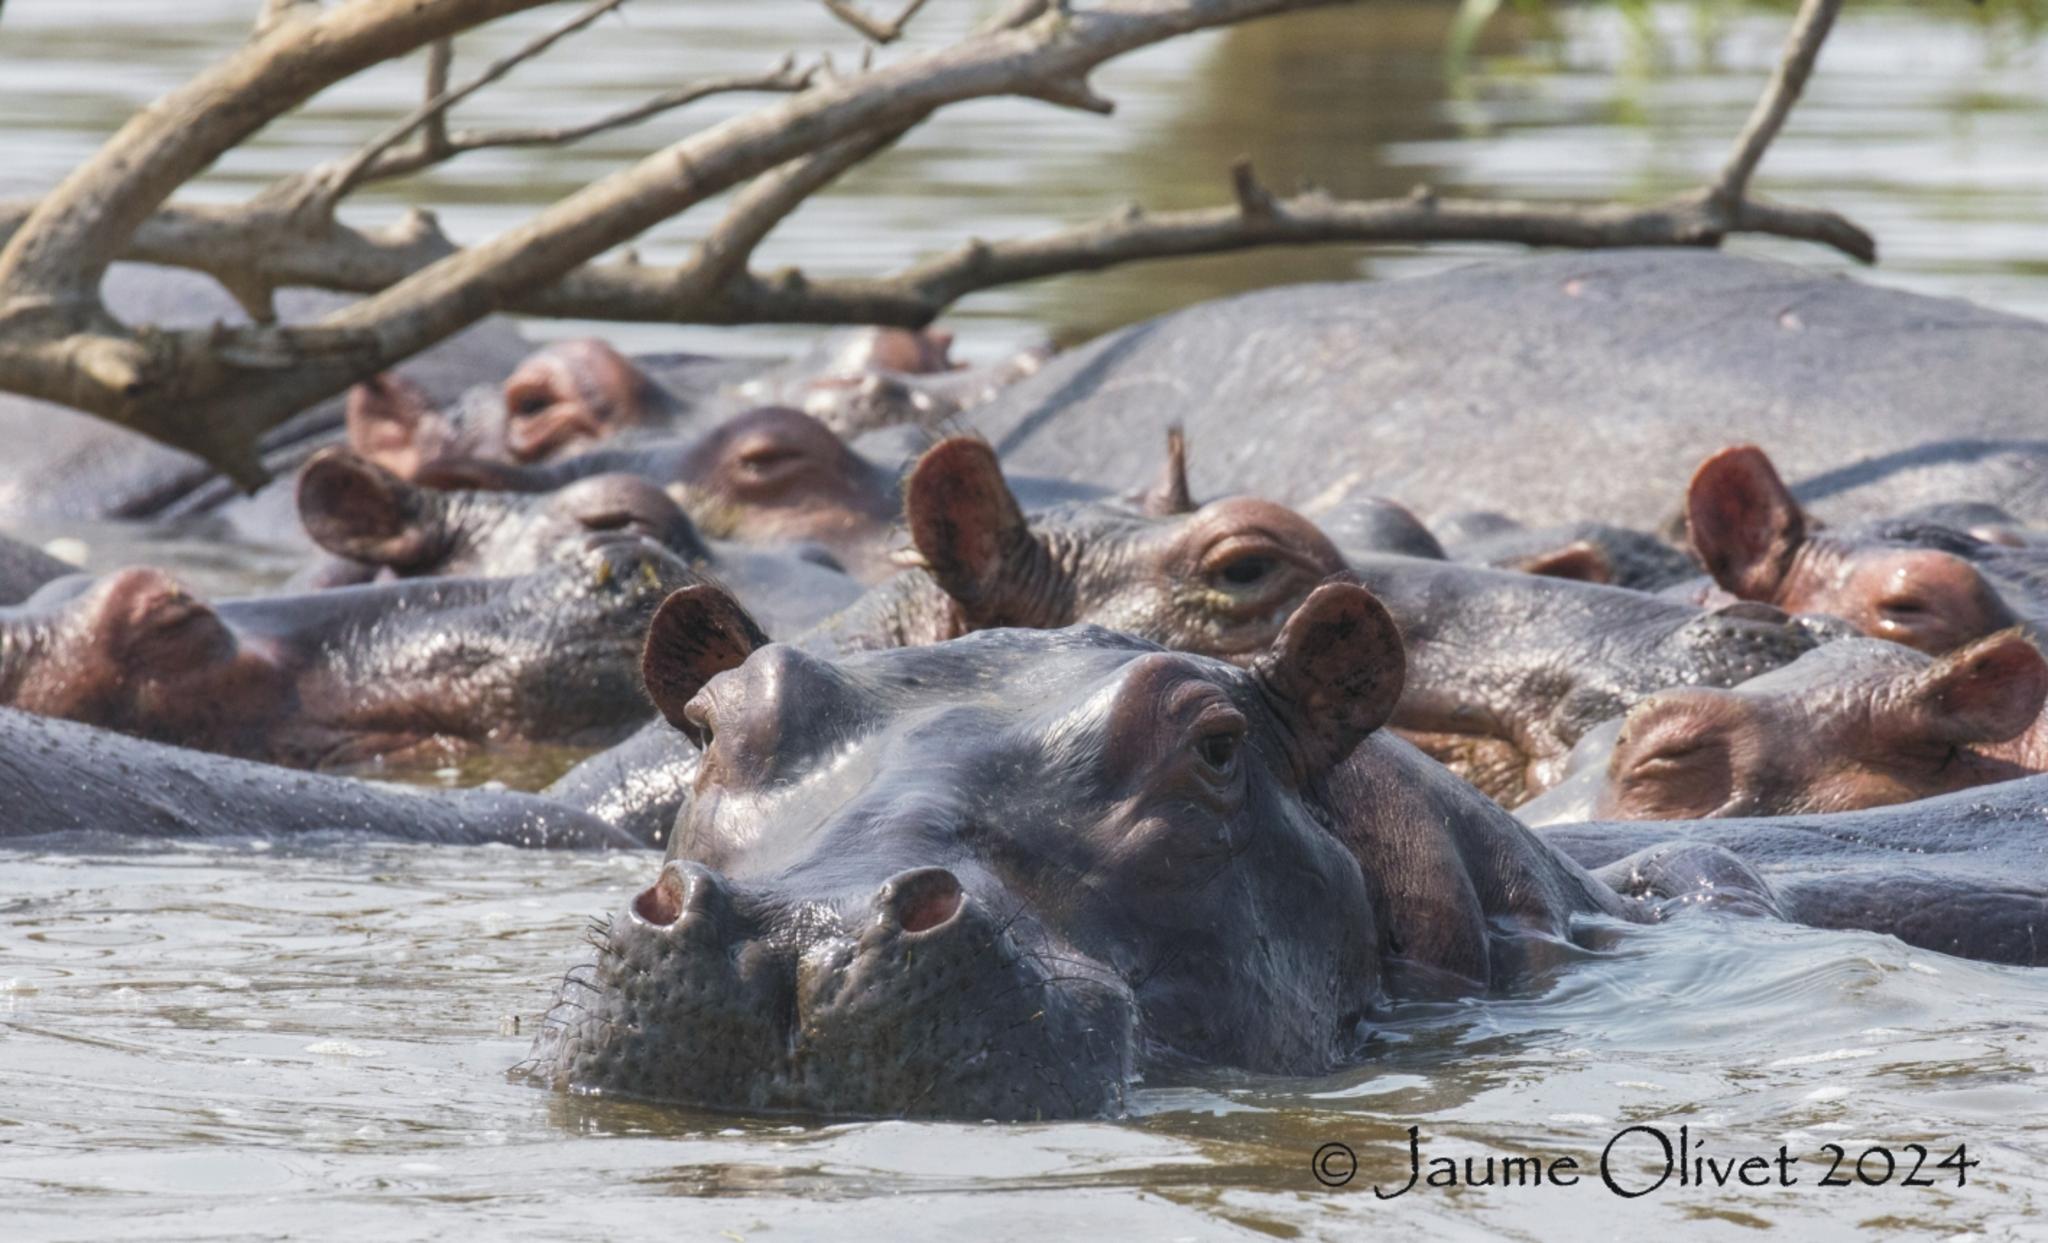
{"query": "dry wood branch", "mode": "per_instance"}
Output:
(1802, 48)
(316, 192)
(216, 391)
(870, 28)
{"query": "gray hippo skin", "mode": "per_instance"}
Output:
(1002, 876)
(1216, 579)
(1584, 386)
(336, 677)
(1964, 874)
(64, 780)
(372, 523)
(24, 568)
(67, 464)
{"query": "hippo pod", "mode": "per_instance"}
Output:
(1004, 876)
(343, 675)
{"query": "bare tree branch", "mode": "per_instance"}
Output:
(215, 391)
(1802, 48)
(877, 31)
(316, 192)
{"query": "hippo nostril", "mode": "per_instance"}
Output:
(924, 899)
(661, 903)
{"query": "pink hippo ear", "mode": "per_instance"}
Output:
(1169, 495)
(970, 534)
(391, 422)
(698, 633)
(1984, 692)
(1581, 560)
(355, 508)
(1743, 522)
(1334, 673)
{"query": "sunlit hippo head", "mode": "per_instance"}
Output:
(1218, 579)
(996, 877)
(1758, 544)
(1856, 723)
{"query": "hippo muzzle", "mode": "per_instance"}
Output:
(922, 998)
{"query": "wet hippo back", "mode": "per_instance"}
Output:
(1558, 388)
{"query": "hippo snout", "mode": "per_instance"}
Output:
(912, 997)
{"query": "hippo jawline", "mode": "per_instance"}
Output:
(955, 1020)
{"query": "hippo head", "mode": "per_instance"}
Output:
(777, 475)
(137, 652)
(569, 396)
(996, 877)
(1858, 723)
(1218, 578)
(356, 509)
(1758, 544)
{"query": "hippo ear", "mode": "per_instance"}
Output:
(1581, 561)
(355, 508)
(1169, 494)
(384, 418)
(971, 536)
(1987, 691)
(1334, 673)
(1743, 522)
(698, 633)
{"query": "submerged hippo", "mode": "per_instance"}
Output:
(370, 520)
(1926, 586)
(1004, 876)
(24, 568)
(339, 676)
(1559, 388)
(64, 778)
(1853, 724)
(1507, 671)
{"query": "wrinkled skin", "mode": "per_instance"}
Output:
(1964, 873)
(372, 521)
(1928, 587)
(1218, 579)
(77, 782)
(1580, 385)
(340, 676)
(1853, 724)
(1001, 877)
(24, 568)
(771, 476)
(1507, 671)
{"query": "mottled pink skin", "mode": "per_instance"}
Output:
(1853, 724)
(1758, 544)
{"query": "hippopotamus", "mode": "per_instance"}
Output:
(1852, 724)
(373, 522)
(1592, 552)
(340, 676)
(64, 778)
(1964, 873)
(570, 396)
(1927, 586)
(1558, 388)
(1507, 671)
(768, 476)
(1006, 875)
(24, 568)
(1216, 579)
(65, 464)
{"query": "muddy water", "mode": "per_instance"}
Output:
(215, 1042)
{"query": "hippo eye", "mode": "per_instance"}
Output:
(1246, 571)
(767, 457)
(530, 404)
(1904, 609)
(1219, 750)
